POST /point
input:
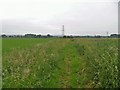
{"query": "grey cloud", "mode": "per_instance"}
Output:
(80, 19)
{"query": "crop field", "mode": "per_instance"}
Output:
(60, 62)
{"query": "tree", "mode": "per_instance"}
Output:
(38, 36)
(114, 35)
(48, 35)
(30, 35)
(64, 36)
(4, 35)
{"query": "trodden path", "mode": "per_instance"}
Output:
(72, 66)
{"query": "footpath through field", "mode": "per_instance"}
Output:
(72, 70)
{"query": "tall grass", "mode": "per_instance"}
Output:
(61, 63)
(0, 63)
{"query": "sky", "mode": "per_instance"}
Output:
(80, 17)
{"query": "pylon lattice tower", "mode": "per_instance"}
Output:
(63, 31)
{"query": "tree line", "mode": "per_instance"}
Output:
(65, 36)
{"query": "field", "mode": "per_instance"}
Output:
(0, 63)
(60, 62)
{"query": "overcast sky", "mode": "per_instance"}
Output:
(80, 17)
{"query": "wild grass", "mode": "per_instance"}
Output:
(60, 63)
(0, 63)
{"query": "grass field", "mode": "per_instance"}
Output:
(0, 63)
(60, 62)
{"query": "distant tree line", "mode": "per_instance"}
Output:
(28, 36)
(96, 36)
(65, 36)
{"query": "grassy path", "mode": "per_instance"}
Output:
(72, 67)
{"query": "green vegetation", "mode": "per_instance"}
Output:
(0, 63)
(60, 62)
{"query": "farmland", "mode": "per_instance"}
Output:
(60, 62)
